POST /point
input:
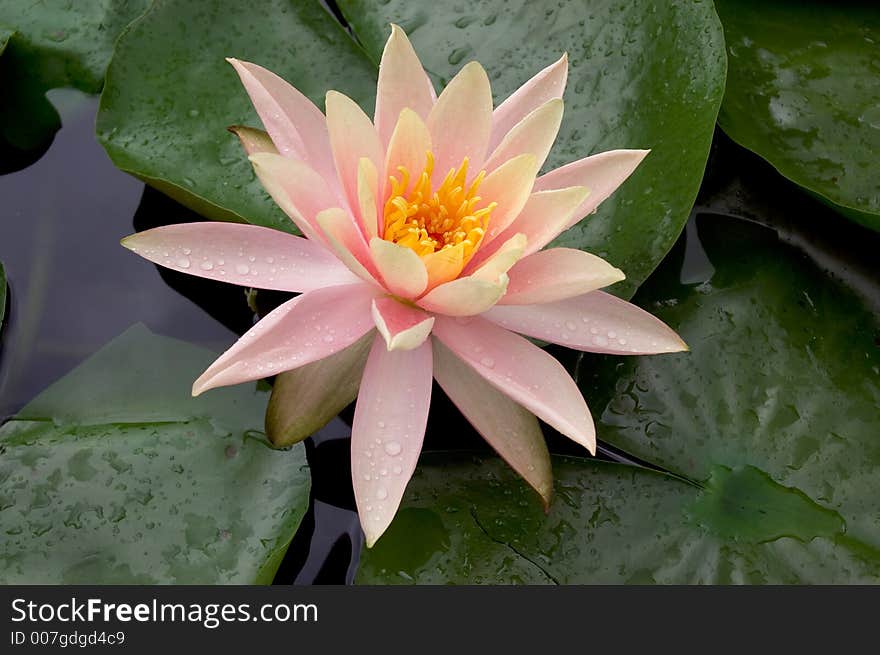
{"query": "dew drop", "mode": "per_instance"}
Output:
(488, 362)
(381, 494)
(206, 266)
(183, 262)
(242, 269)
(393, 448)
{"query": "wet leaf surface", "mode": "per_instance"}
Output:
(802, 92)
(55, 44)
(115, 474)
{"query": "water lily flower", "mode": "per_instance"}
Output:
(421, 258)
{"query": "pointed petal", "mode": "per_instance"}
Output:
(347, 242)
(400, 268)
(601, 174)
(444, 265)
(546, 85)
(403, 327)
(510, 185)
(248, 255)
(298, 128)
(253, 140)
(510, 429)
(595, 322)
(402, 83)
(408, 147)
(305, 399)
(388, 430)
(544, 216)
(534, 134)
(503, 259)
(303, 330)
(368, 196)
(523, 372)
(461, 120)
(352, 136)
(297, 189)
(465, 296)
(556, 274)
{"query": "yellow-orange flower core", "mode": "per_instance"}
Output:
(428, 220)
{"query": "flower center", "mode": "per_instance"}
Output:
(428, 220)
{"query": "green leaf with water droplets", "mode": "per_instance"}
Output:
(56, 43)
(170, 95)
(472, 521)
(115, 474)
(802, 92)
(641, 75)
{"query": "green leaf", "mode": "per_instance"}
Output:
(768, 427)
(170, 95)
(56, 43)
(115, 474)
(472, 521)
(784, 372)
(802, 93)
(640, 77)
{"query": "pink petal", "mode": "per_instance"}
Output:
(510, 185)
(352, 136)
(305, 399)
(400, 268)
(297, 189)
(557, 274)
(544, 216)
(402, 84)
(303, 330)
(546, 85)
(368, 196)
(388, 430)
(408, 147)
(596, 322)
(523, 372)
(404, 327)
(346, 240)
(465, 296)
(253, 140)
(296, 126)
(534, 134)
(248, 255)
(510, 429)
(460, 121)
(601, 174)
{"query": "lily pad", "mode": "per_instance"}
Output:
(170, 95)
(471, 521)
(802, 93)
(641, 75)
(53, 44)
(115, 474)
(768, 428)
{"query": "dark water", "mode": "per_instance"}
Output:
(73, 288)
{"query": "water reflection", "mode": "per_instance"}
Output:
(73, 287)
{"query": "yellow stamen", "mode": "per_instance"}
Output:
(429, 220)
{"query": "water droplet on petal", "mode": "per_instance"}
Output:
(393, 448)
(183, 262)
(381, 494)
(242, 269)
